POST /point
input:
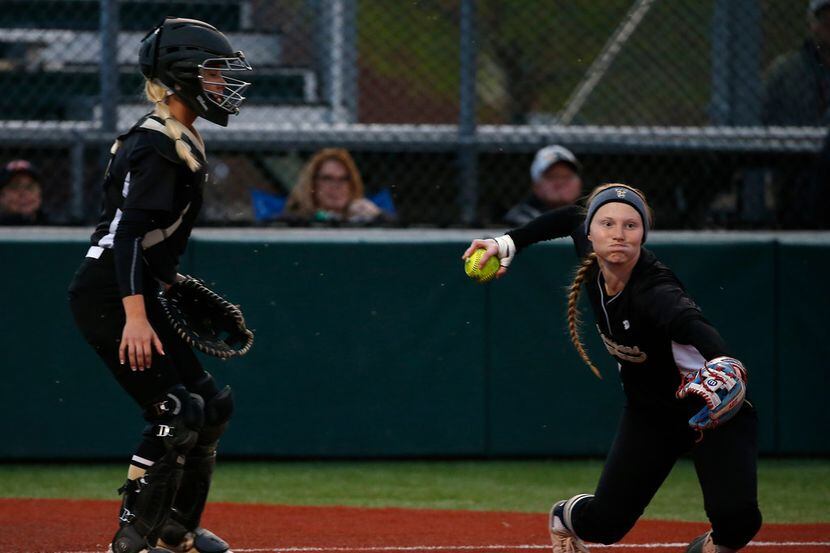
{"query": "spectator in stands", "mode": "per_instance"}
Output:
(814, 214)
(797, 93)
(797, 88)
(330, 190)
(556, 183)
(20, 194)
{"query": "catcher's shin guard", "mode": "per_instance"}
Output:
(196, 478)
(195, 486)
(175, 420)
(156, 491)
(128, 492)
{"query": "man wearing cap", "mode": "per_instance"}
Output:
(20, 194)
(797, 88)
(797, 93)
(556, 182)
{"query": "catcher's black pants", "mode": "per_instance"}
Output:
(646, 447)
(95, 301)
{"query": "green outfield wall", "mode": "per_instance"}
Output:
(375, 344)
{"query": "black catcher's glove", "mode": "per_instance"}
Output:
(205, 320)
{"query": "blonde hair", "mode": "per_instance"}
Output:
(576, 286)
(301, 200)
(157, 93)
(573, 311)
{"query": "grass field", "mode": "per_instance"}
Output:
(789, 490)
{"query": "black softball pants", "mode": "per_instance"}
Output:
(95, 301)
(646, 447)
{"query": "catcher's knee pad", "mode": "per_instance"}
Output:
(218, 407)
(176, 419)
(205, 386)
(218, 411)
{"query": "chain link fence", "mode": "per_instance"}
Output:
(715, 108)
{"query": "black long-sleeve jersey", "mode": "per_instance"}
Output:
(150, 202)
(653, 328)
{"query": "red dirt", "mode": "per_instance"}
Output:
(51, 525)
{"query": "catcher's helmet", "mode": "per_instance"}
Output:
(185, 55)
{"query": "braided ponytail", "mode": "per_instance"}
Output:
(573, 312)
(156, 93)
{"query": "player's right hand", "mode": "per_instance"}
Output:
(137, 342)
(491, 248)
(138, 338)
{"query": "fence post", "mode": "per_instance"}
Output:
(467, 150)
(77, 209)
(109, 64)
(108, 27)
(736, 62)
(337, 53)
(737, 88)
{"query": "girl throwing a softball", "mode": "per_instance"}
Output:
(685, 391)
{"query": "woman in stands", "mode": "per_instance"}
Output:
(330, 190)
(152, 195)
(685, 392)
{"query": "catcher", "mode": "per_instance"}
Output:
(684, 391)
(142, 317)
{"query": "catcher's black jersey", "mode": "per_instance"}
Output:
(652, 328)
(150, 202)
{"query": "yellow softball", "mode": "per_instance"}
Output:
(474, 270)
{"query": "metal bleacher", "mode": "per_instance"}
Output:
(50, 60)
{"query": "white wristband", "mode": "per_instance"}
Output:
(507, 249)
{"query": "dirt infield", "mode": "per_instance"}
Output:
(49, 525)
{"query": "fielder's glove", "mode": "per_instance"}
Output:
(205, 320)
(721, 383)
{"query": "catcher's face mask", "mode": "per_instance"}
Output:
(220, 88)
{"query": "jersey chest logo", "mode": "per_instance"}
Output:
(626, 353)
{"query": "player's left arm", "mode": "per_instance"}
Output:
(720, 383)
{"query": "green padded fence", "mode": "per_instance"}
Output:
(376, 345)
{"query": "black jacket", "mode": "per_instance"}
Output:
(150, 203)
(653, 328)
